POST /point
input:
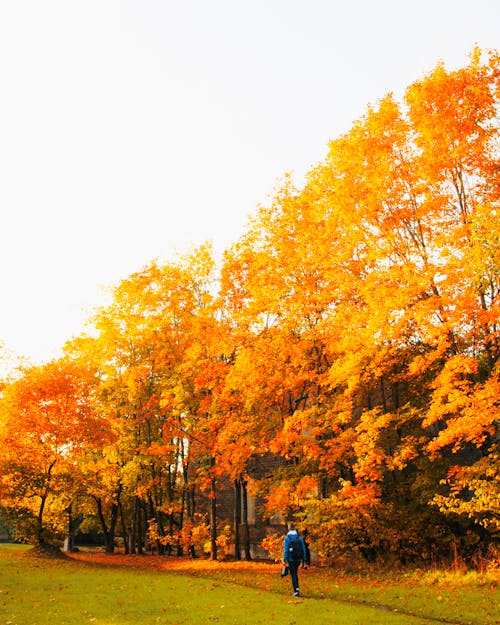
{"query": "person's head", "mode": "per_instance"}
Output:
(291, 526)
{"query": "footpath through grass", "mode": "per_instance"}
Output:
(96, 589)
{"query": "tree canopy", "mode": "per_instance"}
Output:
(351, 334)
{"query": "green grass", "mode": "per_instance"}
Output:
(43, 591)
(439, 596)
(473, 604)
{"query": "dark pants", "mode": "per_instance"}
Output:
(294, 574)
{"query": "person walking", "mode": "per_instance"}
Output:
(294, 554)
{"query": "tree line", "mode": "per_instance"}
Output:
(351, 333)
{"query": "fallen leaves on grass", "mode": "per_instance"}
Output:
(166, 563)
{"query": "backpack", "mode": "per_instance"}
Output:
(295, 550)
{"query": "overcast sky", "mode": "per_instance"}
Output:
(132, 130)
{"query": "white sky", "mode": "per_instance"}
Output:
(131, 130)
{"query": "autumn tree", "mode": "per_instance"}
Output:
(362, 289)
(49, 425)
(458, 111)
(135, 353)
(151, 348)
(350, 345)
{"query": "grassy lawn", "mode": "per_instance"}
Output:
(123, 590)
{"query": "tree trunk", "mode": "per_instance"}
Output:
(124, 529)
(104, 526)
(188, 503)
(237, 518)
(246, 529)
(153, 513)
(73, 524)
(39, 522)
(110, 544)
(142, 524)
(213, 519)
(132, 532)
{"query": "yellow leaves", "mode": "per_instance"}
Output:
(455, 375)
(407, 452)
(474, 492)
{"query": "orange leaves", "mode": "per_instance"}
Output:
(453, 386)
(354, 332)
(280, 498)
(357, 496)
(468, 410)
(288, 495)
(454, 112)
(370, 454)
(49, 425)
(307, 487)
(53, 402)
(293, 438)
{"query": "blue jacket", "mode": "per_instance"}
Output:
(286, 547)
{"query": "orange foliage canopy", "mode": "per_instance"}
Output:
(49, 425)
(351, 342)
